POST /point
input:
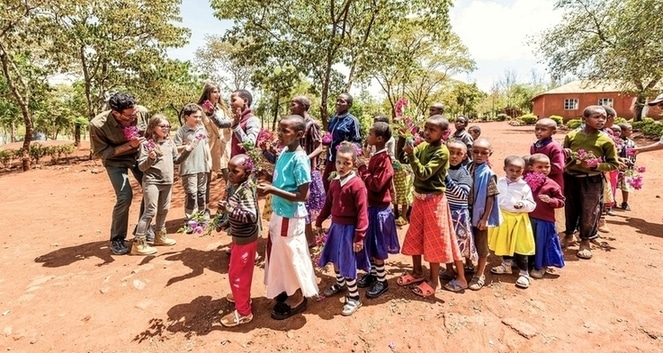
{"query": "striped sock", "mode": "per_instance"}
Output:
(353, 291)
(340, 280)
(373, 269)
(381, 273)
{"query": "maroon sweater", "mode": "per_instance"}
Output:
(555, 152)
(546, 211)
(347, 204)
(378, 177)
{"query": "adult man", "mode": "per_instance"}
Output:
(657, 102)
(118, 154)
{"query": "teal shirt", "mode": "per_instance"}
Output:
(429, 165)
(292, 169)
(600, 143)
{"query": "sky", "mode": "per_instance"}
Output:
(497, 33)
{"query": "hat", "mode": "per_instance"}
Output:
(656, 100)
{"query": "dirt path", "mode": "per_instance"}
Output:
(62, 291)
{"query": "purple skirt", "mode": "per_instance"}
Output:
(338, 250)
(316, 196)
(381, 236)
(548, 250)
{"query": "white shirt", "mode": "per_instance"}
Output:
(512, 193)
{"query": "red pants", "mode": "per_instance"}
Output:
(240, 275)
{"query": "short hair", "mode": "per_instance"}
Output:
(297, 122)
(625, 126)
(609, 111)
(483, 141)
(348, 98)
(512, 160)
(191, 108)
(616, 127)
(438, 105)
(548, 121)
(537, 157)
(439, 120)
(381, 118)
(475, 128)
(244, 161)
(458, 143)
(348, 147)
(245, 95)
(589, 110)
(464, 119)
(382, 129)
(121, 101)
(304, 101)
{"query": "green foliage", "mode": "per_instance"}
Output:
(502, 117)
(528, 119)
(620, 120)
(574, 123)
(654, 129)
(37, 151)
(5, 157)
(557, 119)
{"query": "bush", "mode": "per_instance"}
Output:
(654, 129)
(502, 117)
(620, 120)
(640, 125)
(558, 119)
(528, 119)
(574, 123)
(37, 151)
(5, 157)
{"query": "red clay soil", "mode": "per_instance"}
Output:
(61, 290)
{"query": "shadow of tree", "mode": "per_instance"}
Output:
(69, 255)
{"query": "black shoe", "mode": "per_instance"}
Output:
(282, 297)
(366, 281)
(625, 206)
(283, 311)
(377, 290)
(118, 247)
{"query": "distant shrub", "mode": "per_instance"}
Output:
(574, 123)
(654, 129)
(502, 117)
(558, 119)
(620, 120)
(529, 119)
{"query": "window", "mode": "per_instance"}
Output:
(605, 101)
(571, 104)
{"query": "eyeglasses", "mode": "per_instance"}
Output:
(164, 126)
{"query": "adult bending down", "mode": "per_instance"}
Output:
(658, 145)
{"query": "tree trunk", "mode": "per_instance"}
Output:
(276, 111)
(638, 106)
(25, 156)
(77, 135)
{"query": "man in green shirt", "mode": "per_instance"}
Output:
(114, 137)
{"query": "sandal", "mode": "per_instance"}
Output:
(333, 290)
(407, 279)
(523, 281)
(455, 286)
(351, 306)
(401, 221)
(477, 282)
(423, 290)
(234, 319)
(502, 269)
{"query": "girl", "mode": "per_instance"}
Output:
(157, 156)
(431, 231)
(459, 184)
(310, 143)
(548, 196)
(347, 203)
(513, 239)
(343, 127)
(402, 184)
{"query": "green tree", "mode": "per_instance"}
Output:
(217, 61)
(615, 40)
(467, 97)
(315, 38)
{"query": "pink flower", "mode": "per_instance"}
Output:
(630, 152)
(265, 137)
(535, 180)
(400, 104)
(327, 139)
(635, 182)
(641, 169)
(131, 132)
(201, 135)
(150, 145)
(208, 105)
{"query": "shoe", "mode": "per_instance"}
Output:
(282, 297)
(333, 290)
(477, 282)
(351, 306)
(283, 311)
(377, 289)
(118, 247)
(149, 235)
(538, 274)
(140, 247)
(366, 281)
(523, 281)
(502, 269)
(610, 212)
(235, 319)
(161, 239)
(625, 206)
(603, 227)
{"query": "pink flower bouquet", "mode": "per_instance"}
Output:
(131, 132)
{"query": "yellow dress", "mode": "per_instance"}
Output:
(513, 236)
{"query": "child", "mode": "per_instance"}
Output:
(244, 125)
(459, 184)
(381, 237)
(289, 272)
(461, 135)
(310, 142)
(390, 145)
(157, 155)
(544, 130)
(513, 239)
(483, 204)
(474, 131)
(242, 211)
(343, 127)
(548, 197)
(431, 231)
(583, 180)
(194, 170)
(402, 184)
(347, 203)
(629, 161)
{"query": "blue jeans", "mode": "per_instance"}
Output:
(119, 177)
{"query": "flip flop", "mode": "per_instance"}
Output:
(455, 286)
(423, 290)
(407, 279)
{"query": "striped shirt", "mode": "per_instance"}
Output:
(242, 212)
(459, 184)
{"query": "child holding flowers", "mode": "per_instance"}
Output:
(157, 155)
(627, 157)
(590, 152)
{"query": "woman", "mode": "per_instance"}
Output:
(343, 127)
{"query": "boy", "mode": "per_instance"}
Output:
(629, 161)
(484, 209)
(381, 237)
(474, 131)
(583, 179)
(544, 130)
(242, 211)
(461, 135)
(390, 145)
(244, 124)
(289, 272)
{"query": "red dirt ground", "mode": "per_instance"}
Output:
(62, 291)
